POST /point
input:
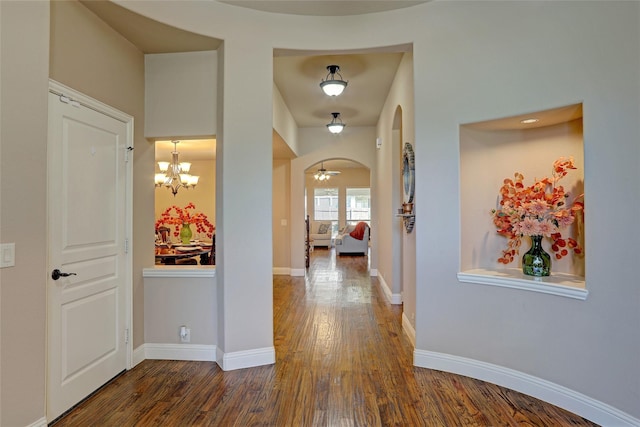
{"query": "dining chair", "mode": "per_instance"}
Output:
(212, 255)
(164, 233)
(187, 261)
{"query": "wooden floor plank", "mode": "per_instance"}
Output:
(342, 359)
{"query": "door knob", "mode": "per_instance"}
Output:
(56, 274)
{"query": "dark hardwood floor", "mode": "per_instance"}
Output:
(342, 360)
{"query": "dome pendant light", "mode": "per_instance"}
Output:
(336, 126)
(331, 85)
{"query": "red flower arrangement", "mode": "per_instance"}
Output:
(541, 209)
(185, 216)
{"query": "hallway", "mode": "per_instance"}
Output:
(342, 360)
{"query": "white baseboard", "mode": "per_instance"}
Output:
(395, 299)
(408, 329)
(195, 352)
(206, 353)
(42, 422)
(138, 356)
(281, 271)
(572, 401)
(297, 272)
(246, 359)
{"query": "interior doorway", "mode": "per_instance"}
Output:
(338, 191)
(89, 291)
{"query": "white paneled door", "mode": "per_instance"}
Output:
(88, 293)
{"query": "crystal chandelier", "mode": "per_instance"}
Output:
(175, 174)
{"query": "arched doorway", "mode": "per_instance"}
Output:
(339, 191)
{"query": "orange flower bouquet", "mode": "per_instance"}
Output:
(178, 217)
(541, 209)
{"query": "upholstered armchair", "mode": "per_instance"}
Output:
(320, 233)
(348, 242)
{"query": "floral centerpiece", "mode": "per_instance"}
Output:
(540, 210)
(182, 218)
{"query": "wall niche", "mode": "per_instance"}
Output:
(493, 150)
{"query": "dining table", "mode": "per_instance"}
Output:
(169, 254)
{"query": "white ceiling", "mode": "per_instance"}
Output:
(323, 7)
(146, 34)
(369, 77)
(296, 74)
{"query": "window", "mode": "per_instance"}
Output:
(325, 204)
(358, 205)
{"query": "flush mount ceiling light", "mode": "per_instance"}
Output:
(336, 124)
(323, 174)
(529, 120)
(331, 85)
(175, 174)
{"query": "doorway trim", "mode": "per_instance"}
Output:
(73, 96)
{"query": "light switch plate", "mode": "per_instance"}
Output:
(7, 255)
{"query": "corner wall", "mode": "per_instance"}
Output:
(397, 247)
(484, 60)
(281, 220)
(24, 85)
(180, 94)
(113, 74)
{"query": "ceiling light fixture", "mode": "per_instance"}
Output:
(530, 120)
(331, 85)
(175, 174)
(336, 125)
(323, 174)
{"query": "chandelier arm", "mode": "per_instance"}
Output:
(173, 180)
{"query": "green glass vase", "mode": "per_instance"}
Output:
(185, 234)
(536, 262)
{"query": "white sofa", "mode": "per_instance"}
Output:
(317, 238)
(345, 244)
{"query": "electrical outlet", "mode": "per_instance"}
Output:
(185, 335)
(7, 255)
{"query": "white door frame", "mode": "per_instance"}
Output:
(88, 102)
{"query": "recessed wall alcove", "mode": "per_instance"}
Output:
(493, 150)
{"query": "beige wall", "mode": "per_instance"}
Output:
(281, 219)
(113, 74)
(244, 170)
(285, 130)
(168, 306)
(396, 267)
(180, 94)
(283, 122)
(483, 72)
(24, 34)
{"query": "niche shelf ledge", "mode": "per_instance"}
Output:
(560, 284)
